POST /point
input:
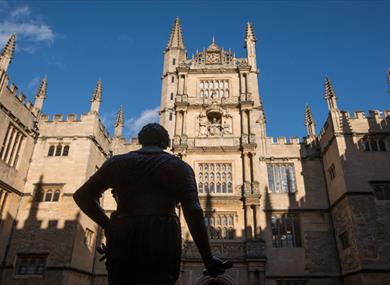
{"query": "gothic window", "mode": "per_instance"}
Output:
(381, 190)
(215, 177)
(31, 264)
(58, 150)
(48, 192)
(373, 144)
(220, 226)
(281, 178)
(65, 151)
(200, 187)
(51, 150)
(56, 196)
(332, 172)
(220, 88)
(48, 196)
(10, 149)
(285, 230)
(212, 188)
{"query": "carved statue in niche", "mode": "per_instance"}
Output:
(214, 127)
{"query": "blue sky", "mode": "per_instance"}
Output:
(121, 42)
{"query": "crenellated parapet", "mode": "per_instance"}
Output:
(73, 126)
(281, 140)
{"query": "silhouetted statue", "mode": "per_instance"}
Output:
(143, 234)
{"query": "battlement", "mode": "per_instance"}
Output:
(283, 141)
(13, 90)
(73, 118)
(372, 114)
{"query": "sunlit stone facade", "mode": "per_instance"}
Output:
(314, 211)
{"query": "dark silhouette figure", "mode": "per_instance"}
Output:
(143, 235)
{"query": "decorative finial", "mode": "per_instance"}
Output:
(176, 39)
(7, 53)
(119, 118)
(41, 93)
(249, 34)
(330, 94)
(97, 93)
(213, 41)
(309, 122)
(119, 123)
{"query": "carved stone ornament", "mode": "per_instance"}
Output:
(216, 121)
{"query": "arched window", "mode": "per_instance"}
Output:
(218, 187)
(172, 96)
(218, 176)
(206, 187)
(223, 232)
(212, 189)
(58, 150)
(172, 79)
(174, 61)
(65, 152)
(200, 187)
(231, 233)
(56, 196)
(224, 221)
(48, 196)
(230, 187)
(39, 196)
(218, 220)
(223, 187)
(51, 150)
(230, 220)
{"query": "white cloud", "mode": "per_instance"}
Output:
(32, 85)
(30, 33)
(134, 125)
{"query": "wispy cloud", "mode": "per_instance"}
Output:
(32, 85)
(31, 33)
(134, 125)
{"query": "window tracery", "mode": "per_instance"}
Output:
(220, 226)
(217, 87)
(215, 178)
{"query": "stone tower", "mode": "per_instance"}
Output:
(211, 107)
(174, 53)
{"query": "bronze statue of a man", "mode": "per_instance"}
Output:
(143, 234)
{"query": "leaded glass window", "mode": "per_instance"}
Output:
(215, 178)
(281, 178)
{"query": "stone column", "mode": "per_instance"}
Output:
(180, 85)
(242, 83)
(249, 222)
(184, 124)
(244, 120)
(178, 123)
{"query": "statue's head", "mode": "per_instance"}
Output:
(154, 135)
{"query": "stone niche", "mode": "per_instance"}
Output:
(214, 121)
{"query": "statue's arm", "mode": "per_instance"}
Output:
(193, 214)
(87, 196)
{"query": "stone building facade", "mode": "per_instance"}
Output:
(315, 211)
